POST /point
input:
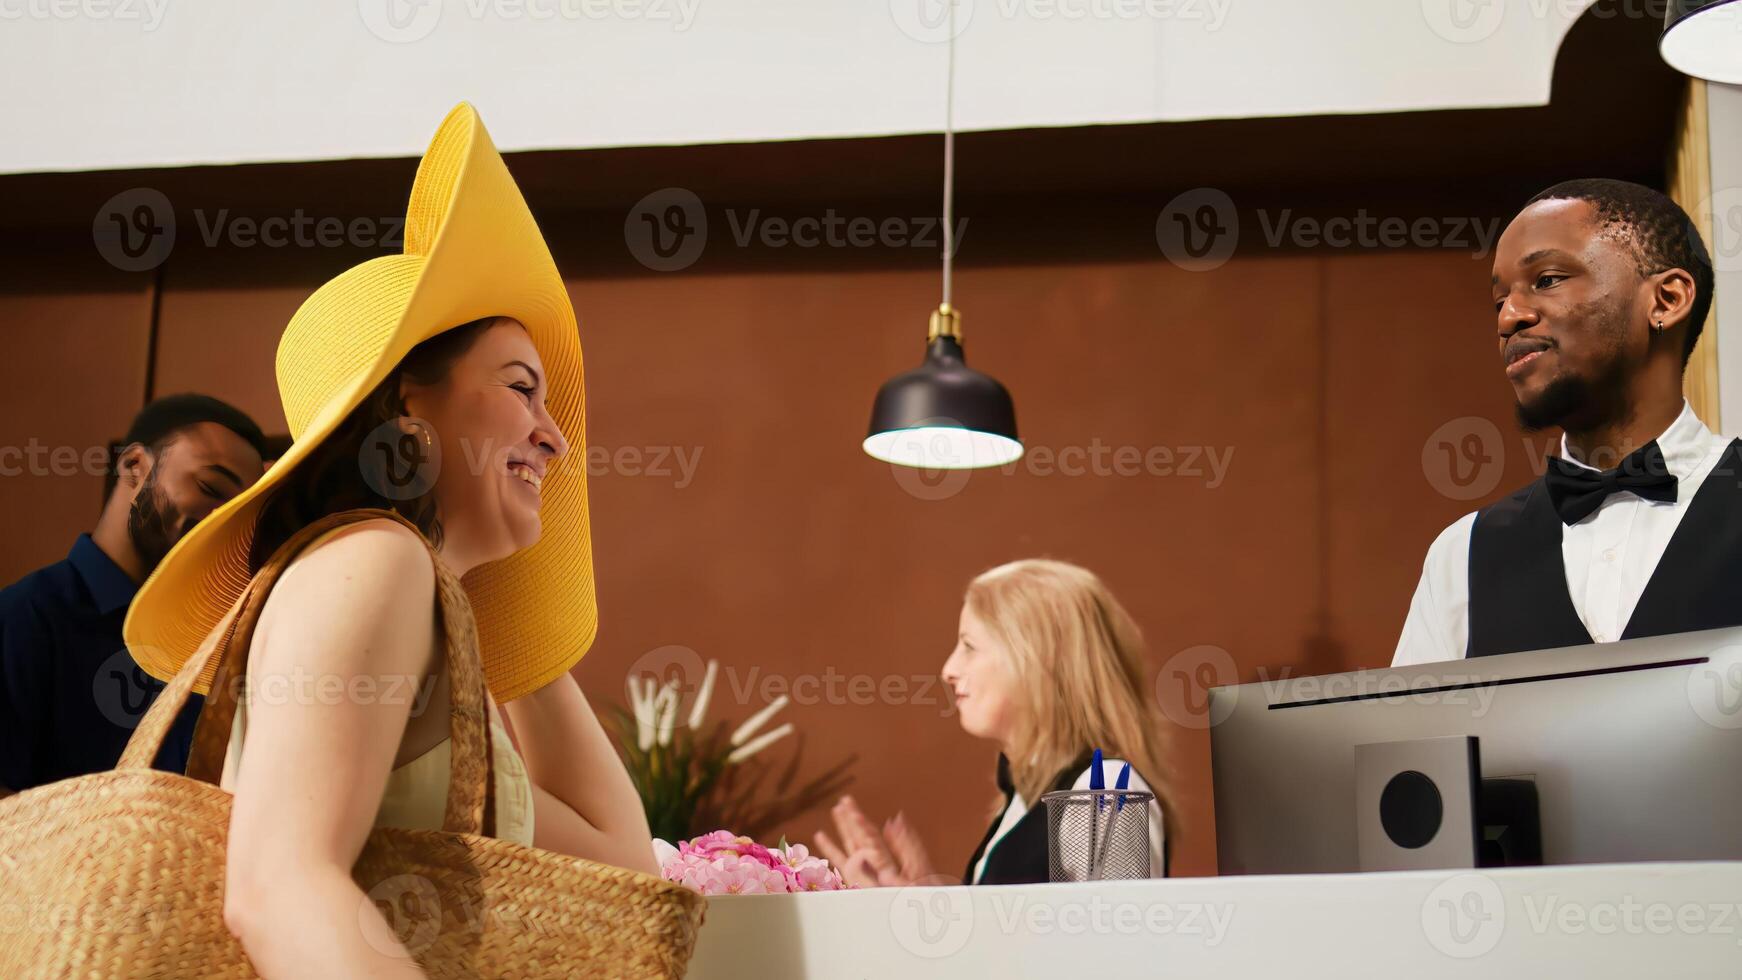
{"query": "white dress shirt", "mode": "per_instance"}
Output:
(1018, 807)
(1609, 556)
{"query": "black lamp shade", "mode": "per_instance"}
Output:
(1703, 38)
(943, 415)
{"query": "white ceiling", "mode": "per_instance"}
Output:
(110, 84)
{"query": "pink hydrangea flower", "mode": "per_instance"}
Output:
(722, 863)
(811, 873)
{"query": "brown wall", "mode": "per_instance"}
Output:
(792, 555)
(1337, 378)
(73, 361)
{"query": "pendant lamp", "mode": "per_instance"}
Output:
(1703, 38)
(944, 414)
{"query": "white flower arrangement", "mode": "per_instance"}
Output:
(681, 770)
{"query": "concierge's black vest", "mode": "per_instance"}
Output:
(1518, 581)
(1019, 857)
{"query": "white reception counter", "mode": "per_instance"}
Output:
(1653, 921)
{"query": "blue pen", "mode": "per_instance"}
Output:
(1097, 778)
(1123, 782)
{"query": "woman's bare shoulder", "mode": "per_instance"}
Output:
(377, 545)
(363, 583)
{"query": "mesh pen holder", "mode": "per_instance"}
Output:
(1097, 834)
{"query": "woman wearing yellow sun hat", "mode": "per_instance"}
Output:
(441, 387)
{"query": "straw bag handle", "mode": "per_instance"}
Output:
(471, 790)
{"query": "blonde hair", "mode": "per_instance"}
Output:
(1078, 661)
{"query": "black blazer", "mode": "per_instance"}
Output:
(1019, 857)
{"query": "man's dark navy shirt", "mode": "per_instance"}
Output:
(70, 694)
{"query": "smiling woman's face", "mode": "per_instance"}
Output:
(497, 442)
(981, 678)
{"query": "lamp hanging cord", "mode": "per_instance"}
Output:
(949, 152)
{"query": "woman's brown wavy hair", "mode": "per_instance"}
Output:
(331, 479)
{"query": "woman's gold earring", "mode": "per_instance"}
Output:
(423, 430)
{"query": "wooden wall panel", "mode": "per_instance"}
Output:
(1690, 184)
(735, 515)
(71, 378)
(1421, 431)
(222, 341)
(793, 555)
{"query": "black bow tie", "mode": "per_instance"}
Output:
(1578, 491)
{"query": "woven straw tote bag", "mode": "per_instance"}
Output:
(121, 873)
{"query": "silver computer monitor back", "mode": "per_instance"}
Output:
(1635, 749)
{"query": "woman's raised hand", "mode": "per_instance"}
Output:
(869, 857)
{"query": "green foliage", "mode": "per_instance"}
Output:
(673, 779)
(688, 788)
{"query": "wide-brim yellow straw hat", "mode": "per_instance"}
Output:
(472, 250)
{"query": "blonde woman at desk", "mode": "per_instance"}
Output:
(1050, 666)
